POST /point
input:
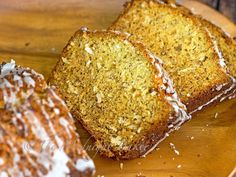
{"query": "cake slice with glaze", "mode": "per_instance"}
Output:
(37, 133)
(226, 44)
(187, 48)
(119, 91)
(227, 47)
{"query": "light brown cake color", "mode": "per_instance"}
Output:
(187, 48)
(227, 47)
(225, 43)
(119, 91)
(37, 133)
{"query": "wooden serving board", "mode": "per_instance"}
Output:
(34, 32)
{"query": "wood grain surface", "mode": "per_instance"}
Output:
(34, 33)
(226, 7)
(212, 3)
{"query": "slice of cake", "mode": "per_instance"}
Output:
(119, 92)
(227, 46)
(37, 133)
(186, 47)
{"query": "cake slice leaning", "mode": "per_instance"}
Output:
(119, 92)
(227, 46)
(37, 133)
(187, 48)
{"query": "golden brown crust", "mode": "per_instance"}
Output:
(145, 145)
(216, 96)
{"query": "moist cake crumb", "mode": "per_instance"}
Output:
(188, 49)
(123, 97)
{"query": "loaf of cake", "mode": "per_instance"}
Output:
(119, 91)
(37, 133)
(187, 48)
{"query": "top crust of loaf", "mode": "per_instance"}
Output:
(150, 137)
(32, 117)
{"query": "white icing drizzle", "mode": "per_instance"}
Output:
(19, 117)
(219, 87)
(6, 84)
(50, 102)
(232, 95)
(57, 98)
(226, 94)
(84, 28)
(229, 93)
(60, 168)
(65, 124)
(173, 5)
(15, 170)
(36, 126)
(27, 172)
(1, 161)
(19, 80)
(29, 81)
(171, 95)
(43, 157)
(160, 2)
(3, 174)
(216, 48)
(29, 159)
(20, 77)
(180, 109)
(83, 164)
(58, 140)
(12, 81)
(57, 111)
(7, 68)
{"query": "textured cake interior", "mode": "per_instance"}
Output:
(226, 45)
(109, 84)
(186, 48)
